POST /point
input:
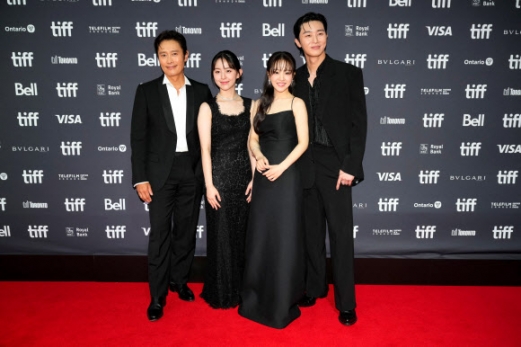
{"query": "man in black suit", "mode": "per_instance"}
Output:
(166, 168)
(334, 95)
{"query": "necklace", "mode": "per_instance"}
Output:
(235, 97)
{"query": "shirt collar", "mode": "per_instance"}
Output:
(166, 81)
(321, 67)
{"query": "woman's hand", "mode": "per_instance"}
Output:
(248, 191)
(262, 164)
(274, 172)
(213, 197)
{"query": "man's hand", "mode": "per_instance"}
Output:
(344, 179)
(144, 190)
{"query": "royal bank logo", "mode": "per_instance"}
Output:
(509, 148)
(392, 121)
(511, 92)
(470, 149)
(480, 31)
(74, 204)
(475, 91)
(394, 91)
(505, 205)
(29, 29)
(3, 203)
(28, 119)
(435, 91)
(459, 232)
(106, 60)
(425, 231)
(188, 31)
(193, 61)
(63, 60)
(112, 176)
(502, 232)
(387, 232)
(67, 90)
(276, 31)
(512, 120)
(388, 204)
(32, 176)
(230, 30)
(272, 3)
(110, 90)
(73, 177)
(400, 3)
(20, 90)
(437, 61)
(22, 59)
(514, 62)
(104, 30)
(76, 232)
(5, 231)
(357, 60)
(507, 176)
(433, 120)
(483, 3)
(116, 231)
(441, 3)
(120, 148)
(478, 121)
(16, 2)
(466, 205)
(436, 205)
(356, 3)
(110, 119)
(68, 118)
(437, 30)
(397, 31)
(355, 30)
(391, 149)
(146, 29)
(61, 29)
(102, 2)
(426, 148)
(119, 205)
(38, 231)
(429, 176)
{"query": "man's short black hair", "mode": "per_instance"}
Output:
(170, 35)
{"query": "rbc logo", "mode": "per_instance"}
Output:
(61, 29)
(231, 30)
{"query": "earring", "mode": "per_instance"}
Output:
(269, 82)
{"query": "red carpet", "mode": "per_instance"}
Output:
(114, 314)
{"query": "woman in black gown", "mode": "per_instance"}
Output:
(224, 124)
(274, 270)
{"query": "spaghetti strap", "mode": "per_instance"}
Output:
(292, 103)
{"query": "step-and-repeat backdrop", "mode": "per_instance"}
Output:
(443, 90)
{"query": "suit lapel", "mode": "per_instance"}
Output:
(190, 112)
(167, 108)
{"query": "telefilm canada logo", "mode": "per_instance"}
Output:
(387, 232)
(100, 29)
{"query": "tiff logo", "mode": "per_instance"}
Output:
(475, 91)
(388, 204)
(480, 31)
(67, 90)
(116, 232)
(514, 62)
(2, 204)
(356, 59)
(401, 3)
(502, 232)
(238, 88)
(356, 3)
(355, 231)
(60, 29)
(102, 2)
(186, 3)
(470, 149)
(433, 120)
(397, 31)
(425, 232)
(272, 3)
(429, 176)
(391, 149)
(112, 176)
(479, 121)
(110, 119)
(16, 2)
(38, 231)
(106, 60)
(33, 176)
(74, 204)
(199, 231)
(28, 119)
(120, 205)
(394, 91)
(507, 177)
(231, 30)
(518, 3)
(6, 231)
(148, 29)
(22, 59)
(265, 58)
(440, 3)
(71, 148)
(512, 120)
(466, 205)
(437, 61)
(193, 61)
(32, 90)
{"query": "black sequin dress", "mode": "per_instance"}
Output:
(226, 227)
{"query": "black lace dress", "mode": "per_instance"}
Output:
(226, 227)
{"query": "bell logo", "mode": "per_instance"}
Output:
(397, 31)
(106, 60)
(503, 232)
(28, 119)
(470, 149)
(357, 60)
(466, 205)
(429, 177)
(61, 29)
(512, 120)
(116, 232)
(507, 177)
(425, 232)
(70, 148)
(110, 119)
(272, 3)
(148, 29)
(22, 59)
(231, 30)
(186, 3)
(475, 91)
(391, 149)
(389, 176)
(356, 3)
(400, 3)
(142, 60)
(38, 231)
(433, 120)
(112, 177)
(441, 3)
(278, 31)
(2, 204)
(68, 118)
(74, 204)
(468, 121)
(102, 2)
(480, 31)
(5, 231)
(388, 204)
(32, 176)
(437, 61)
(514, 62)
(394, 91)
(439, 30)
(32, 90)
(120, 205)
(16, 2)
(193, 61)
(67, 90)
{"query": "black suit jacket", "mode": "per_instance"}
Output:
(153, 136)
(342, 111)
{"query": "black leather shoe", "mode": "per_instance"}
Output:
(183, 291)
(348, 317)
(155, 309)
(307, 301)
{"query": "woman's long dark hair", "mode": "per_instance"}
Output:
(231, 59)
(278, 60)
